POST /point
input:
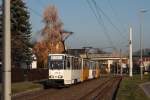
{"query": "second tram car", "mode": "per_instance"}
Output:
(92, 70)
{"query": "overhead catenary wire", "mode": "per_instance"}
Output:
(99, 9)
(106, 31)
(116, 16)
(123, 43)
(35, 12)
(32, 10)
(92, 10)
(107, 17)
(101, 22)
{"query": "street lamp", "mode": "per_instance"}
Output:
(142, 11)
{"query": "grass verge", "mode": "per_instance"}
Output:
(130, 90)
(24, 86)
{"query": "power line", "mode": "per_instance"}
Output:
(115, 14)
(101, 22)
(92, 10)
(35, 12)
(109, 20)
(98, 17)
(94, 2)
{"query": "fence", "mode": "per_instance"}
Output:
(20, 75)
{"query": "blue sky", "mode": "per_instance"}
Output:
(79, 18)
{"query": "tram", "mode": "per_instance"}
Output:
(65, 69)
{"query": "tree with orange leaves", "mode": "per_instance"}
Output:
(52, 38)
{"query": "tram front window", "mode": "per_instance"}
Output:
(56, 65)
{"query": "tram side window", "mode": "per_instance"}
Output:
(72, 60)
(65, 64)
(93, 66)
(85, 64)
(79, 63)
(90, 65)
(76, 63)
(68, 63)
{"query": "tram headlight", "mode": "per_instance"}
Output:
(51, 76)
(60, 76)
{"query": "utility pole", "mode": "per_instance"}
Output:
(141, 42)
(6, 51)
(117, 66)
(130, 54)
(121, 61)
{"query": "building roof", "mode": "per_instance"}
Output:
(75, 51)
(146, 53)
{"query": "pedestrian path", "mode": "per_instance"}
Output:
(146, 88)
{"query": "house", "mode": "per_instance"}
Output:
(145, 59)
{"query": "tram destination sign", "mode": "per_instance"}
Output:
(56, 57)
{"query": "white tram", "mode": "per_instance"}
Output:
(64, 69)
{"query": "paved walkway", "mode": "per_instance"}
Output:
(146, 88)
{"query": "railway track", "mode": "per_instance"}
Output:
(91, 90)
(104, 91)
